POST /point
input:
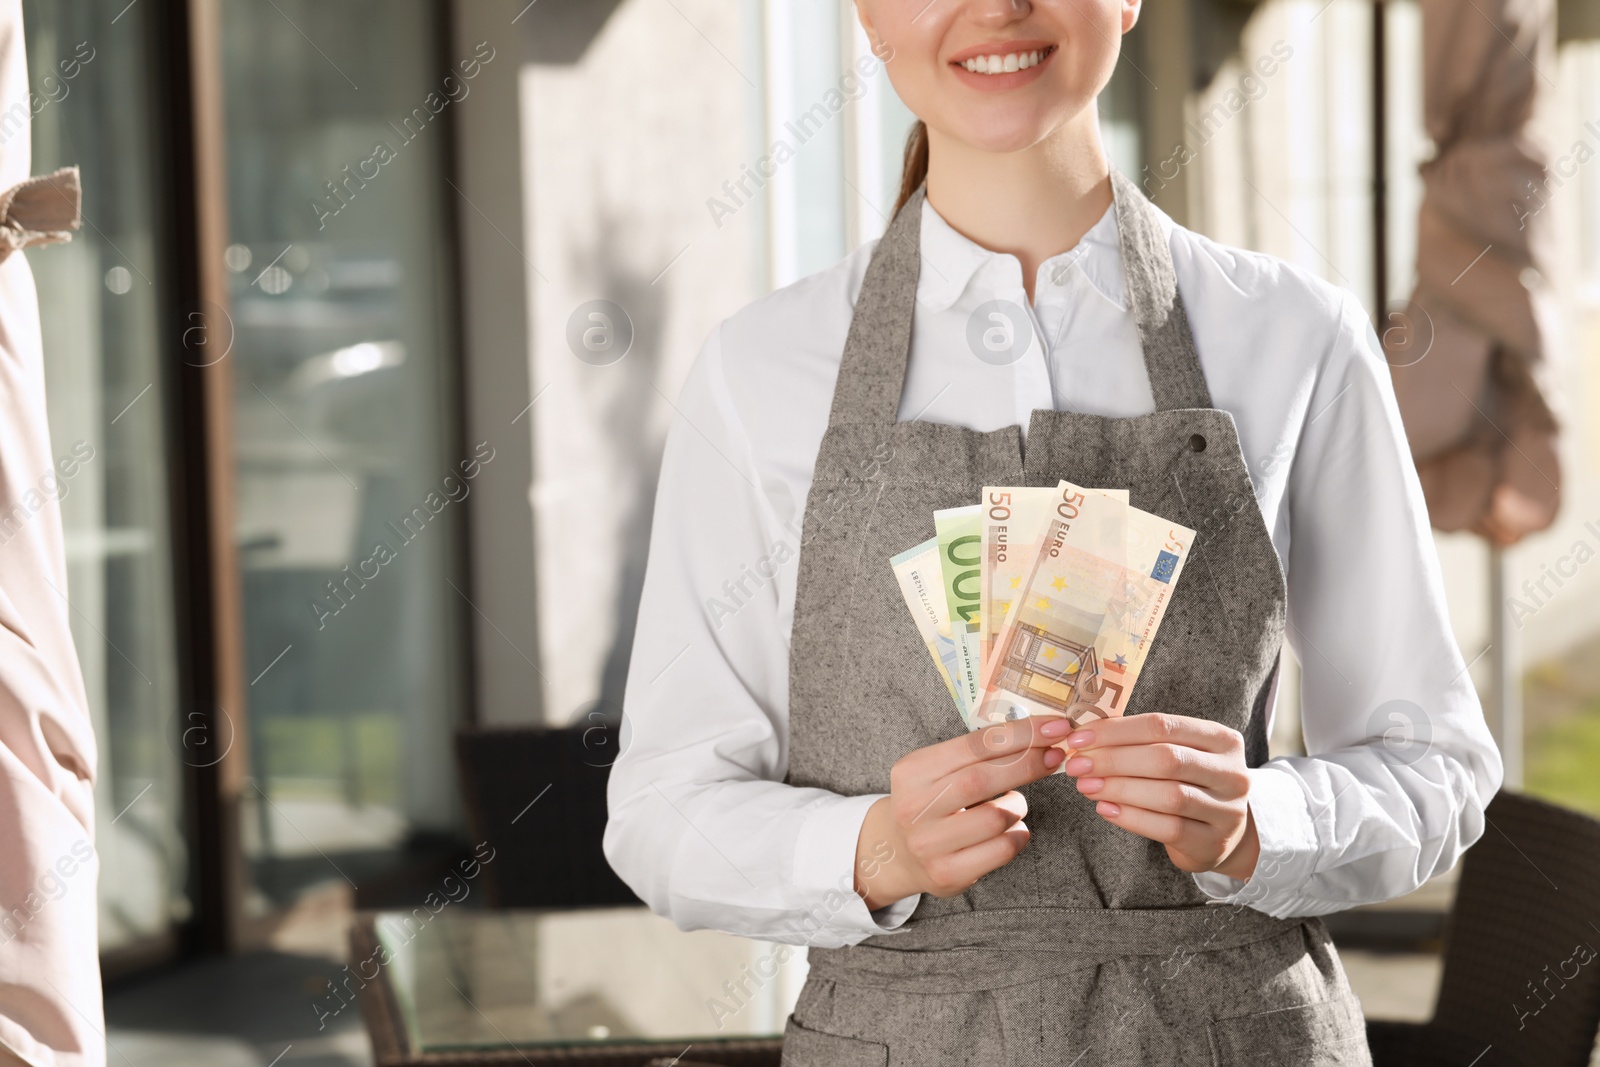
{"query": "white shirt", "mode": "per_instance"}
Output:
(701, 826)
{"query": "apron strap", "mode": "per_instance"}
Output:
(872, 372)
(1170, 358)
(878, 346)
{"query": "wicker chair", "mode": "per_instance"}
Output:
(1525, 916)
(538, 796)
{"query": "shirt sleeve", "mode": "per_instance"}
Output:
(701, 825)
(1400, 762)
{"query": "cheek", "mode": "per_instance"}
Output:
(909, 56)
(1091, 39)
(1078, 15)
(1090, 33)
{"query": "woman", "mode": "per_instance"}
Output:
(795, 769)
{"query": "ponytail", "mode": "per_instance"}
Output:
(916, 165)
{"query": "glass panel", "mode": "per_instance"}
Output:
(502, 979)
(1406, 148)
(882, 123)
(1553, 581)
(805, 117)
(1277, 147)
(350, 480)
(107, 401)
(1118, 107)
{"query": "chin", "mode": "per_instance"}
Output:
(1000, 136)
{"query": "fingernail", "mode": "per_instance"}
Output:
(1054, 728)
(1081, 739)
(1105, 807)
(1053, 756)
(1079, 765)
(1090, 785)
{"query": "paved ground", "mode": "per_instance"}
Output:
(249, 1011)
(1393, 985)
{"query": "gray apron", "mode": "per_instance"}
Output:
(1090, 948)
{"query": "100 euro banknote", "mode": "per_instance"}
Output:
(921, 581)
(958, 531)
(1096, 588)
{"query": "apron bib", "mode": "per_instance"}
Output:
(1090, 948)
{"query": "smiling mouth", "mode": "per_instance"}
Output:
(1007, 62)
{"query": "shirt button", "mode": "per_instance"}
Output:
(1197, 443)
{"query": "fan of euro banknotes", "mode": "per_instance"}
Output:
(1042, 601)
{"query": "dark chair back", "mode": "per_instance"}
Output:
(537, 795)
(1522, 945)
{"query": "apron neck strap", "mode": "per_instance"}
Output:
(873, 370)
(1170, 358)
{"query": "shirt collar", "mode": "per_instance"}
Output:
(950, 259)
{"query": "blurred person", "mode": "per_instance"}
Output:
(50, 1004)
(794, 770)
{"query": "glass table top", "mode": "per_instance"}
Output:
(501, 979)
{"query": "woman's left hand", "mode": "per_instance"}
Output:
(1174, 779)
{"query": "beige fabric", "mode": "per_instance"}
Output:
(1470, 357)
(50, 1007)
(40, 211)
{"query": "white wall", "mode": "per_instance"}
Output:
(621, 149)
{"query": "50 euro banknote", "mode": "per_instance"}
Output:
(1097, 584)
(1010, 519)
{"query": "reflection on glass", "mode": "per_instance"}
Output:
(508, 979)
(350, 483)
(107, 389)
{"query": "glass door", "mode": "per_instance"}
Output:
(108, 383)
(350, 476)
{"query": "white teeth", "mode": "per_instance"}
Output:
(998, 64)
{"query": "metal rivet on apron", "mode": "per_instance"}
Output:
(1198, 442)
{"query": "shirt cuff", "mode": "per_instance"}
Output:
(1289, 848)
(824, 875)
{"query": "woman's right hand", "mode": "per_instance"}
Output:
(952, 814)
